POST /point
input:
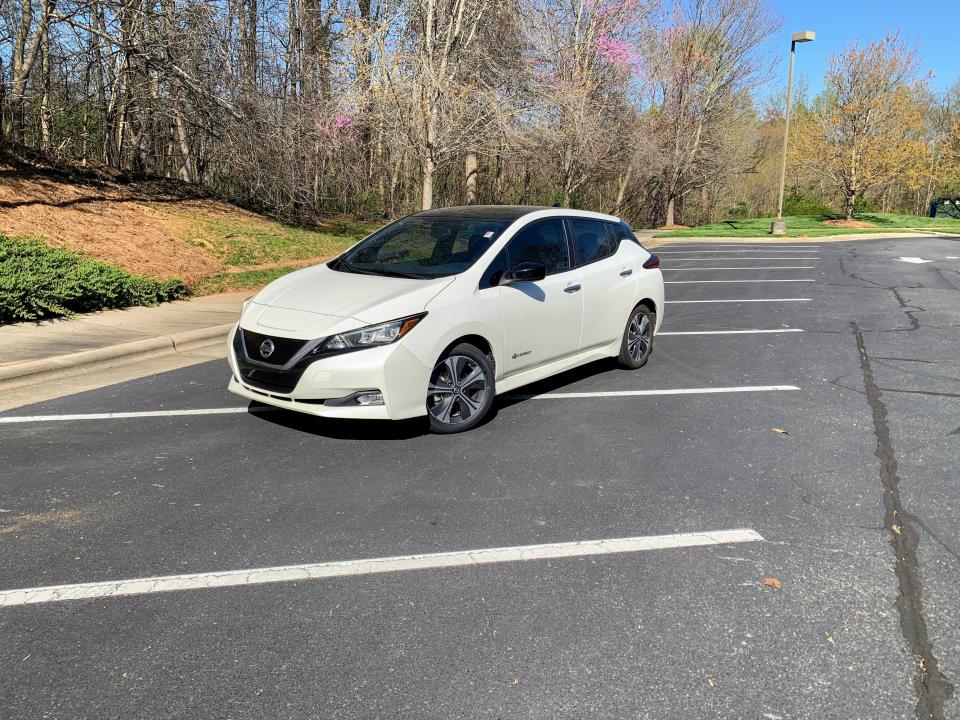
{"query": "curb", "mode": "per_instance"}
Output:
(34, 371)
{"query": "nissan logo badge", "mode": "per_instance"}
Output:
(266, 348)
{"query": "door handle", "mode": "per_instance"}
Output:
(626, 273)
(572, 288)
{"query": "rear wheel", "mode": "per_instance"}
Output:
(461, 390)
(637, 343)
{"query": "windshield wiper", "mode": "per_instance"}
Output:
(400, 274)
(350, 268)
(383, 272)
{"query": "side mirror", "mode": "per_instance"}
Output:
(525, 272)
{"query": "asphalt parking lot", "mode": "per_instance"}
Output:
(804, 400)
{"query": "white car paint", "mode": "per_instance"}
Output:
(534, 330)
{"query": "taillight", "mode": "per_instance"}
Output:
(652, 263)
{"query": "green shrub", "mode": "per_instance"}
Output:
(740, 211)
(863, 205)
(796, 204)
(38, 282)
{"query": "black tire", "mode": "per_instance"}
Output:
(637, 342)
(461, 390)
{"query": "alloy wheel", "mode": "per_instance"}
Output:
(458, 390)
(638, 336)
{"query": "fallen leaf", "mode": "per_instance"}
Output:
(830, 639)
(896, 529)
(516, 681)
(781, 431)
(770, 582)
(712, 683)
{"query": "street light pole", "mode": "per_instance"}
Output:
(779, 226)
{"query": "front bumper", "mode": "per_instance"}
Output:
(391, 370)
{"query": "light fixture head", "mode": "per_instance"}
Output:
(805, 36)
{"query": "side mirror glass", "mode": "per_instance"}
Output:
(525, 272)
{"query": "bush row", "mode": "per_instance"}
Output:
(38, 282)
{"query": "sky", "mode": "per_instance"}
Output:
(931, 25)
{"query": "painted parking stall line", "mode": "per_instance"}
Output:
(742, 259)
(649, 393)
(372, 566)
(811, 253)
(10, 420)
(17, 419)
(739, 300)
(731, 332)
(745, 246)
(701, 282)
(755, 267)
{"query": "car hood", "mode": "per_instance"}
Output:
(320, 291)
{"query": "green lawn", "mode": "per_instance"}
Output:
(814, 226)
(239, 242)
(245, 280)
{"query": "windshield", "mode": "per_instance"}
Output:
(422, 247)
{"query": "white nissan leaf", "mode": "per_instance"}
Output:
(437, 313)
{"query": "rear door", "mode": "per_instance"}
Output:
(607, 268)
(542, 319)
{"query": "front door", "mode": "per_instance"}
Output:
(542, 319)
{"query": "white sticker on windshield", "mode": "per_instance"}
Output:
(488, 234)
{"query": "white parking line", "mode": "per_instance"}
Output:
(768, 267)
(811, 253)
(749, 246)
(808, 258)
(699, 282)
(640, 393)
(730, 332)
(684, 302)
(124, 415)
(16, 419)
(345, 568)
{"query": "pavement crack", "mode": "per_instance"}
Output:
(932, 393)
(931, 686)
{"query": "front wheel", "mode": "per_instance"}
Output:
(461, 390)
(637, 343)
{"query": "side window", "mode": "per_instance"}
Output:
(622, 231)
(543, 242)
(592, 240)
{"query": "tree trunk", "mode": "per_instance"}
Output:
(671, 211)
(428, 169)
(849, 201)
(622, 190)
(470, 178)
(46, 116)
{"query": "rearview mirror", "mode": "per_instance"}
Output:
(526, 272)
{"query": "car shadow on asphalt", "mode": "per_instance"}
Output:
(341, 429)
(562, 381)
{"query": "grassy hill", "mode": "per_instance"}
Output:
(820, 225)
(159, 228)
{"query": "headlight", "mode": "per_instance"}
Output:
(370, 336)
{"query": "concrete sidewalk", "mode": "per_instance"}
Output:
(37, 353)
(50, 338)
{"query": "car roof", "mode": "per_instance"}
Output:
(508, 213)
(483, 212)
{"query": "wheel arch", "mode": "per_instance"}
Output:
(478, 341)
(649, 304)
